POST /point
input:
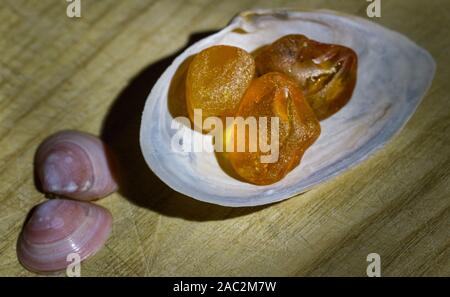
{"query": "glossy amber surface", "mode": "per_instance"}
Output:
(326, 73)
(274, 95)
(217, 79)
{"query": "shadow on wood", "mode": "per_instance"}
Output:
(137, 182)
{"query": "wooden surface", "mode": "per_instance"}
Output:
(94, 73)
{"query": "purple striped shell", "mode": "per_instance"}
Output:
(76, 165)
(59, 227)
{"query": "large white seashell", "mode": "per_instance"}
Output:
(393, 76)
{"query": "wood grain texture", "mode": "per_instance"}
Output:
(94, 73)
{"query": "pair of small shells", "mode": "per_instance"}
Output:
(74, 165)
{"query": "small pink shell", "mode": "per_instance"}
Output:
(76, 165)
(59, 227)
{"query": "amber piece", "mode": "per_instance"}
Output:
(217, 79)
(326, 72)
(274, 95)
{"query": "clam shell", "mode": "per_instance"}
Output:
(76, 165)
(393, 76)
(59, 227)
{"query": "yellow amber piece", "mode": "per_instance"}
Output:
(217, 79)
(273, 95)
(326, 73)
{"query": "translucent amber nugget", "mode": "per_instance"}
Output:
(217, 79)
(326, 72)
(274, 95)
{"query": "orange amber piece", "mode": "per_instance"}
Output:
(326, 72)
(217, 79)
(273, 95)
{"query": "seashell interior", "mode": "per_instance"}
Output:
(393, 76)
